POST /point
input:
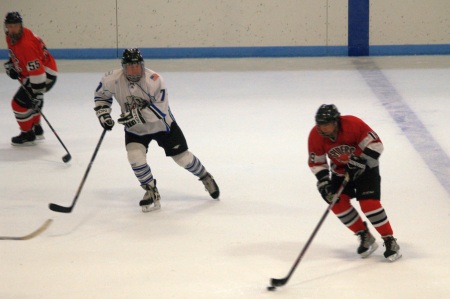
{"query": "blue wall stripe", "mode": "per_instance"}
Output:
(358, 27)
(392, 50)
(206, 52)
(431, 151)
(242, 52)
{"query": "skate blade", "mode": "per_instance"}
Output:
(28, 143)
(369, 251)
(150, 208)
(394, 257)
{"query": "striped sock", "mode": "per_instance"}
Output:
(143, 173)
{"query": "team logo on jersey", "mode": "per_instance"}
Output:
(341, 153)
(134, 102)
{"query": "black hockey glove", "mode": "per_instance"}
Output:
(11, 70)
(131, 118)
(144, 104)
(37, 102)
(104, 116)
(324, 187)
(355, 167)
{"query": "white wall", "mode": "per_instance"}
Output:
(226, 23)
(409, 22)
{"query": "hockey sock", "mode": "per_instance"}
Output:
(37, 119)
(136, 153)
(25, 117)
(348, 214)
(374, 211)
(143, 174)
(191, 163)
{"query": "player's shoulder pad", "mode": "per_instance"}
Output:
(108, 73)
(112, 76)
(154, 76)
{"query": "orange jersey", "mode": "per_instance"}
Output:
(32, 60)
(354, 137)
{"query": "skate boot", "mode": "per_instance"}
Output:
(210, 185)
(24, 139)
(368, 244)
(38, 131)
(392, 252)
(150, 201)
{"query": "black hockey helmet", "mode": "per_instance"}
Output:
(327, 114)
(13, 17)
(132, 56)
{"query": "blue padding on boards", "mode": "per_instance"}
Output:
(358, 27)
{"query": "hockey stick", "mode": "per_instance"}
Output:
(66, 158)
(62, 209)
(33, 234)
(278, 282)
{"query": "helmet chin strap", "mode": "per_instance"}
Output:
(133, 79)
(333, 135)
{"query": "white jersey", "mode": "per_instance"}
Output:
(150, 90)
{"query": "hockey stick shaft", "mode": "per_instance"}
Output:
(33, 234)
(276, 282)
(62, 209)
(68, 156)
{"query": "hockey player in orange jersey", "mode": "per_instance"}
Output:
(32, 64)
(351, 146)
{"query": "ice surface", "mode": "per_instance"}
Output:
(247, 120)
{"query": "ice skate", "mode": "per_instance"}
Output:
(392, 252)
(210, 185)
(368, 244)
(150, 201)
(38, 131)
(24, 139)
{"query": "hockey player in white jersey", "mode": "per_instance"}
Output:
(145, 113)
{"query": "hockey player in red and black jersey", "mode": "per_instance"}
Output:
(351, 146)
(32, 64)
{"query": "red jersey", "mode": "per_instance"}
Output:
(32, 60)
(354, 137)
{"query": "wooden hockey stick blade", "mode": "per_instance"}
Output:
(33, 234)
(57, 208)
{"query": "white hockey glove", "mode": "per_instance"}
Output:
(104, 116)
(131, 118)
